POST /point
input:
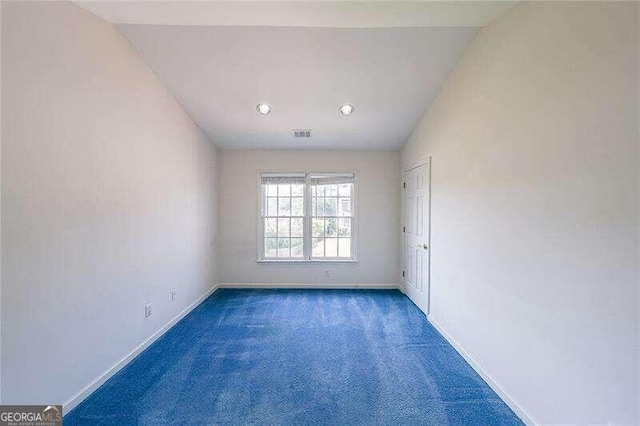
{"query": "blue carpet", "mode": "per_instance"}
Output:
(298, 357)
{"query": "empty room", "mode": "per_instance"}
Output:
(319, 212)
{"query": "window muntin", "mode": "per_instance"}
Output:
(307, 216)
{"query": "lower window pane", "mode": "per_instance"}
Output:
(283, 227)
(270, 247)
(318, 228)
(297, 206)
(270, 228)
(344, 247)
(331, 247)
(297, 247)
(317, 247)
(283, 247)
(297, 227)
(331, 227)
(344, 230)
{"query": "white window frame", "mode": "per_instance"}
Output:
(307, 221)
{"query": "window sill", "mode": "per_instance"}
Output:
(303, 261)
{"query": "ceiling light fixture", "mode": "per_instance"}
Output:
(347, 109)
(264, 109)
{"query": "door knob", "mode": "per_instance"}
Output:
(426, 247)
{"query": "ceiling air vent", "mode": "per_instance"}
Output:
(301, 133)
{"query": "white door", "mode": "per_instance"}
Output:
(416, 235)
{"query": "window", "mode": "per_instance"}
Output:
(283, 214)
(307, 216)
(331, 215)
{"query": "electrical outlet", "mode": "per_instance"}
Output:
(327, 273)
(147, 310)
(174, 295)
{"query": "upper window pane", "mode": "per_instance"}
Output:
(330, 206)
(344, 190)
(344, 206)
(331, 190)
(284, 206)
(284, 190)
(272, 206)
(272, 190)
(297, 190)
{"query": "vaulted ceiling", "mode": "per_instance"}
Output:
(306, 59)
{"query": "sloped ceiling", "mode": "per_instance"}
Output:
(221, 59)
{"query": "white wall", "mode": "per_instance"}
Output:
(535, 208)
(108, 201)
(377, 204)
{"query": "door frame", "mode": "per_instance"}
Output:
(406, 169)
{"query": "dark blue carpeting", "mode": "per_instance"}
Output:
(298, 357)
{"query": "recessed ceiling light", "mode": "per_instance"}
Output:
(347, 109)
(264, 109)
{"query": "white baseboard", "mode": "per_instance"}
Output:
(508, 399)
(76, 399)
(311, 286)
